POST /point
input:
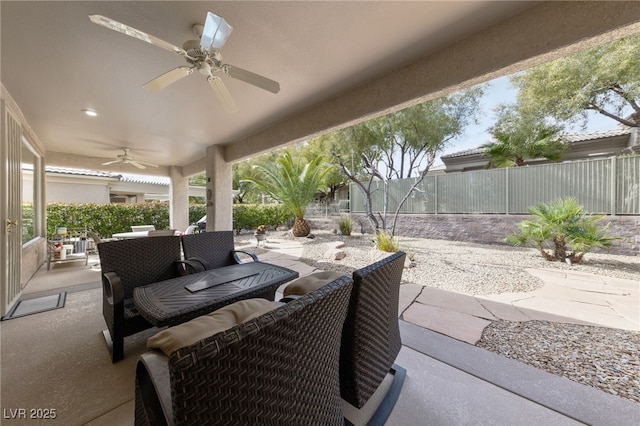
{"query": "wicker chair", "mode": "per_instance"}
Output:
(127, 264)
(212, 249)
(280, 368)
(371, 336)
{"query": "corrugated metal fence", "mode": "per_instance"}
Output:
(610, 186)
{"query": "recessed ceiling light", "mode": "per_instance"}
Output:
(90, 112)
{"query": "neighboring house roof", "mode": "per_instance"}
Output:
(472, 151)
(156, 187)
(582, 145)
(589, 136)
(148, 180)
(80, 172)
(572, 138)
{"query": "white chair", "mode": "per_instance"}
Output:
(162, 233)
(138, 228)
(191, 229)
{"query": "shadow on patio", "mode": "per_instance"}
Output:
(58, 360)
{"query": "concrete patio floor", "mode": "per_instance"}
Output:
(449, 381)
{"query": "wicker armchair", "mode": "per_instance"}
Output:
(212, 249)
(127, 264)
(371, 336)
(280, 368)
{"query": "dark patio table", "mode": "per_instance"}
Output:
(174, 301)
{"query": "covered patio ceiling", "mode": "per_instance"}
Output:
(337, 63)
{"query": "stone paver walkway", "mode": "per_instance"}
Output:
(567, 297)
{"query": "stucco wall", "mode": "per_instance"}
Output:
(490, 229)
(77, 193)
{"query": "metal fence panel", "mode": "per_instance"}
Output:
(588, 181)
(610, 186)
(472, 192)
(628, 188)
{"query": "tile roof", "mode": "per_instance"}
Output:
(589, 136)
(122, 177)
(152, 180)
(80, 172)
(472, 151)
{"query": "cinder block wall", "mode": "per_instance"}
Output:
(488, 229)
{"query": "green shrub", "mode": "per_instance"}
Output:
(561, 230)
(106, 219)
(196, 211)
(384, 241)
(345, 224)
(109, 219)
(27, 222)
(250, 216)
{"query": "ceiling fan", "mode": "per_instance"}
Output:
(202, 55)
(126, 159)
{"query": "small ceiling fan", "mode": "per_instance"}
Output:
(126, 159)
(202, 55)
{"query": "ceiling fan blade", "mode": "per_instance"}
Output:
(223, 94)
(252, 78)
(215, 33)
(136, 164)
(111, 162)
(167, 78)
(132, 32)
(146, 164)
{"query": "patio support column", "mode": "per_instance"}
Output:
(219, 185)
(179, 199)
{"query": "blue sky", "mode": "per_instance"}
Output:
(501, 91)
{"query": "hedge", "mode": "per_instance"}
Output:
(106, 219)
(250, 216)
(109, 219)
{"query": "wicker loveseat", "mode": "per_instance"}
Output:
(281, 367)
(127, 264)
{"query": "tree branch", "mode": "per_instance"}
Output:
(612, 116)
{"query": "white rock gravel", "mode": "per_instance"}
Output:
(604, 358)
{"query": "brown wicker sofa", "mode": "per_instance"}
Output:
(281, 368)
(127, 264)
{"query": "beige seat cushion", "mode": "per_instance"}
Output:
(310, 283)
(174, 338)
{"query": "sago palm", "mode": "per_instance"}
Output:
(563, 227)
(294, 184)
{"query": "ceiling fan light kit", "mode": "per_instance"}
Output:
(215, 33)
(202, 55)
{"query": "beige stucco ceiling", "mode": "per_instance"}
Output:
(55, 62)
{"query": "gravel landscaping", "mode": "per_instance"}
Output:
(601, 357)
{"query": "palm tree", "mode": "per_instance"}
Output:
(507, 152)
(293, 184)
(520, 135)
(562, 225)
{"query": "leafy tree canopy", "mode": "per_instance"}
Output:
(605, 79)
(400, 145)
